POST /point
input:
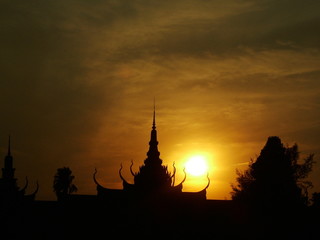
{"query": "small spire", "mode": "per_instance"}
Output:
(153, 153)
(154, 115)
(9, 147)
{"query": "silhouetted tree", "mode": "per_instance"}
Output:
(62, 184)
(276, 178)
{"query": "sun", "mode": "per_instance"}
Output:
(196, 165)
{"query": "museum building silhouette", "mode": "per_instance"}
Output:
(152, 181)
(10, 192)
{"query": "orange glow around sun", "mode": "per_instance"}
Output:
(197, 165)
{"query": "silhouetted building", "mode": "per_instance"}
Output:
(10, 193)
(152, 181)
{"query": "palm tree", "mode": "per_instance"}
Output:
(62, 184)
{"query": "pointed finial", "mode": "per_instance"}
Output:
(9, 147)
(154, 114)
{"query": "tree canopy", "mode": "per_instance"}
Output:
(62, 184)
(275, 178)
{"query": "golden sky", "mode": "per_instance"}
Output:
(78, 79)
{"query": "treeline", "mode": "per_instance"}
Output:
(276, 178)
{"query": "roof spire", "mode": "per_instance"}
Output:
(153, 153)
(9, 147)
(8, 170)
(154, 114)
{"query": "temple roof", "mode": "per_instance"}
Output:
(152, 177)
(8, 183)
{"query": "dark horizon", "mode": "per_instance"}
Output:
(153, 206)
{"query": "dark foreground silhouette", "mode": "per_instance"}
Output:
(153, 207)
(209, 219)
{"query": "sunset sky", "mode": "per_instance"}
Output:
(79, 77)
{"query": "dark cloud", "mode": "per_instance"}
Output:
(260, 26)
